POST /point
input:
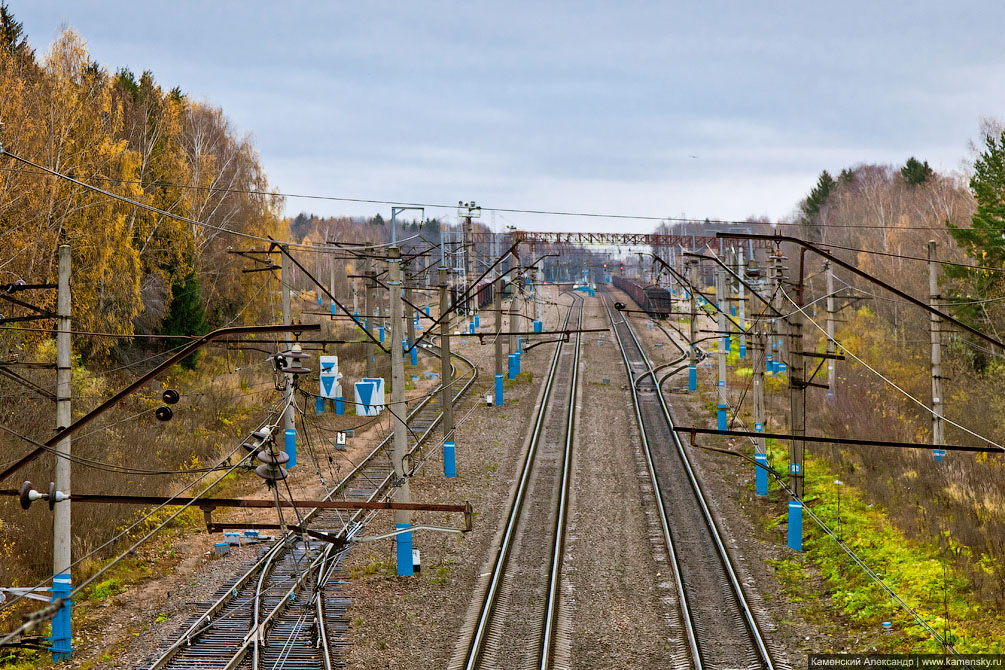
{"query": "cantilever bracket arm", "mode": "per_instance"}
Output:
(696, 291)
(725, 267)
(864, 275)
(143, 379)
(286, 252)
(693, 430)
(463, 297)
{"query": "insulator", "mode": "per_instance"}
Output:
(52, 495)
(163, 413)
(270, 473)
(277, 458)
(297, 370)
(170, 396)
(24, 495)
(279, 361)
(257, 439)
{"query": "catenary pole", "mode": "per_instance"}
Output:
(722, 300)
(831, 363)
(938, 426)
(445, 400)
(61, 541)
(402, 518)
(408, 297)
(740, 270)
(797, 410)
(692, 354)
(370, 307)
(760, 445)
(288, 425)
(446, 389)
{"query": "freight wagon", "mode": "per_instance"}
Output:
(484, 295)
(655, 300)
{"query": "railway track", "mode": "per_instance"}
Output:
(520, 610)
(286, 609)
(722, 631)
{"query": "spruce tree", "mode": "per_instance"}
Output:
(984, 240)
(818, 196)
(12, 37)
(915, 172)
(186, 316)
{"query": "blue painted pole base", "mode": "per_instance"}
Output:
(381, 331)
(449, 460)
(514, 365)
(499, 390)
(471, 328)
(938, 455)
(478, 321)
(538, 327)
(62, 635)
(743, 349)
(721, 418)
(795, 525)
(334, 311)
(319, 405)
(291, 447)
(404, 553)
(761, 474)
(692, 378)
(340, 406)
(729, 344)
(413, 357)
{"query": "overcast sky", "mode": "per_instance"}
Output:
(704, 109)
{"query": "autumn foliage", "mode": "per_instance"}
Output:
(128, 136)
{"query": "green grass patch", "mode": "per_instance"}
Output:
(922, 574)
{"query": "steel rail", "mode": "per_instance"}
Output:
(206, 621)
(320, 615)
(749, 620)
(554, 578)
(692, 638)
(477, 642)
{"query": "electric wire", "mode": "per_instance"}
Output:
(372, 201)
(163, 212)
(858, 560)
(125, 531)
(888, 380)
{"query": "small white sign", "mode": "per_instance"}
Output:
(329, 377)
